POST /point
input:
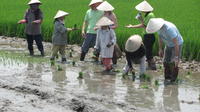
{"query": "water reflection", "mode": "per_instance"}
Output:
(170, 98)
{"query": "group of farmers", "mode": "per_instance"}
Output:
(98, 31)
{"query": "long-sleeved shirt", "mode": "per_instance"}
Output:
(60, 33)
(105, 37)
(33, 28)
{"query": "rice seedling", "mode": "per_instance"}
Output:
(73, 63)
(156, 82)
(59, 68)
(80, 76)
(52, 63)
(144, 86)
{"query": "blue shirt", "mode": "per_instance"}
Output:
(168, 32)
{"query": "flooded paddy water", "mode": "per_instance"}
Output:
(34, 84)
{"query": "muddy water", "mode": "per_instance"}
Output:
(28, 86)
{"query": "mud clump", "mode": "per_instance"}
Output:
(23, 89)
(79, 106)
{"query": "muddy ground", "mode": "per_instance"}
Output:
(33, 84)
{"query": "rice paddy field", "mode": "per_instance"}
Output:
(183, 13)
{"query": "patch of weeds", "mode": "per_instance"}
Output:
(116, 70)
(188, 73)
(52, 63)
(145, 87)
(156, 82)
(145, 77)
(160, 67)
(73, 63)
(59, 68)
(80, 76)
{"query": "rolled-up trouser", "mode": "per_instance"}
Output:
(60, 48)
(117, 53)
(38, 39)
(107, 63)
(169, 54)
(171, 71)
(142, 66)
(149, 40)
(89, 42)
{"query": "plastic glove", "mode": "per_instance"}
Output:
(126, 69)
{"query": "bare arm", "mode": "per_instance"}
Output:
(135, 26)
(83, 28)
(160, 47)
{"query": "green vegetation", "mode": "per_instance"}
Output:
(80, 75)
(59, 68)
(184, 13)
(5, 56)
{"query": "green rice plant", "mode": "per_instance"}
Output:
(73, 63)
(156, 82)
(59, 68)
(52, 63)
(80, 75)
(144, 86)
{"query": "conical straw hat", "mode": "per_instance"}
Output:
(154, 25)
(104, 21)
(144, 7)
(34, 2)
(60, 13)
(105, 6)
(95, 1)
(133, 43)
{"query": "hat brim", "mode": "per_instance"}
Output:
(153, 29)
(56, 17)
(94, 3)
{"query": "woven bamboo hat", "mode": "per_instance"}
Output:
(105, 6)
(154, 25)
(133, 43)
(144, 7)
(60, 13)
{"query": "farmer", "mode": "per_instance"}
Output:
(144, 15)
(88, 32)
(59, 38)
(135, 53)
(169, 34)
(108, 8)
(33, 19)
(106, 40)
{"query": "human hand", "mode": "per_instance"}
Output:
(37, 22)
(161, 53)
(129, 26)
(21, 21)
(126, 69)
(176, 60)
(83, 34)
(95, 28)
(109, 45)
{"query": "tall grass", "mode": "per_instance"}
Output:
(184, 13)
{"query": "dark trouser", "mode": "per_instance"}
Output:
(117, 53)
(89, 42)
(38, 39)
(149, 40)
(170, 70)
